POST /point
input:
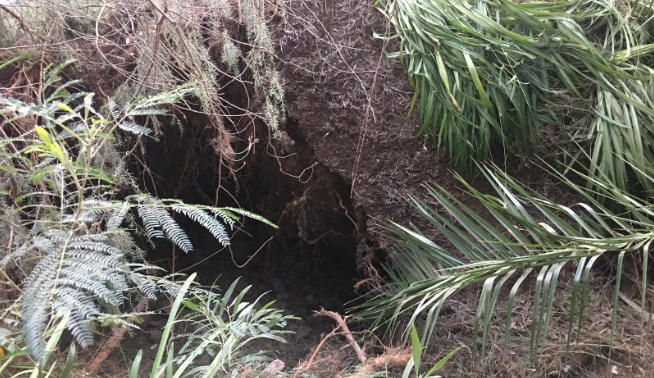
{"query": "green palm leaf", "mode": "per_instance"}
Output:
(522, 235)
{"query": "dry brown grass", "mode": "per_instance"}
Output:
(593, 354)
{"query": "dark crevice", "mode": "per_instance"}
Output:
(309, 262)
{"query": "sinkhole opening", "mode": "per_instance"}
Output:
(309, 262)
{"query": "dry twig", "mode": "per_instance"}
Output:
(113, 342)
(306, 366)
(361, 355)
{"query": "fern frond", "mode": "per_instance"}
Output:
(226, 218)
(210, 223)
(134, 128)
(55, 236)
(78, 275)
(79, 256)
(159, 224)
(95, 246)
(35, 304)
(248, 214)
(118, 216)
(82, 309)
(114, 110)
(136, 112)
(175, 233)
(151, 223)
(145, 285)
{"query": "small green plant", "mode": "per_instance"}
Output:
(218, 329)
(415, 362)
(215, 331)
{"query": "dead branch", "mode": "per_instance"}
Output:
(112, 342)
(19, 20)
(306, 366)
(361, 355)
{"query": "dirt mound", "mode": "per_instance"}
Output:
(351, 105)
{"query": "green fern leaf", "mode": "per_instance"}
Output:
(210, 223)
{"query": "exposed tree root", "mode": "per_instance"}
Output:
(391, 359)
(112, 343)
(306, 366)
(361, 355)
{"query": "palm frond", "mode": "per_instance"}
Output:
(523, 235)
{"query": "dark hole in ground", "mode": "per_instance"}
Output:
(306, 264)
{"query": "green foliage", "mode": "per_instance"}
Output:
(61, 166)
(416, 358)
(49, 367)
(67, 222)
(218, 329)
(214, 331)
(529, 235)
(77, 276)
(489, 74)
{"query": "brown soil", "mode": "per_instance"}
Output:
(351, 105)
(345, 161)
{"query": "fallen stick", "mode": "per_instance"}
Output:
(315, 352)
(112, 342)
(361, 355)
(635, 306)
(306, 366)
